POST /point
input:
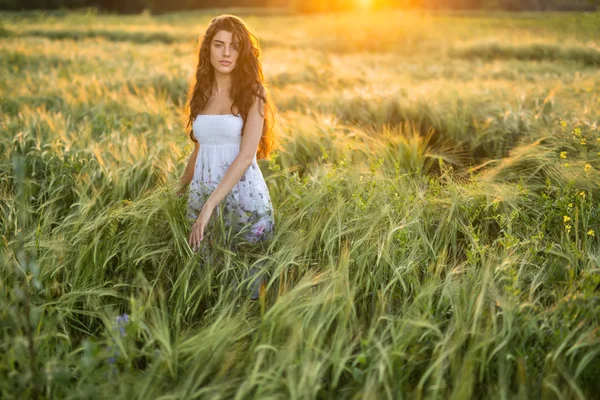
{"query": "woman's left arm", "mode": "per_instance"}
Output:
(248, 147)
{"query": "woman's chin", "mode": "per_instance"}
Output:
(224, 70)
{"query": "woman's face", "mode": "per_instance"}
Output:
(224, 52)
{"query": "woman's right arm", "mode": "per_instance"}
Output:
(188, 173)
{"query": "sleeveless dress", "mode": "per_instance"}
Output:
(247, 209)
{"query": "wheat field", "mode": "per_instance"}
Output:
(435, 185)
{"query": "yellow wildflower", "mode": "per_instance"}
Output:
(563, 154)
(591, 232)
(566, 218)
(582, 141)
(568, 228)
(582, 194)
(570, 205)
(563, 123)
(587, 168)
(566, 164)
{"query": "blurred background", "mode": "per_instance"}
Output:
(160, 6)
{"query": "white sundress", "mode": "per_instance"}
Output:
(247, 208)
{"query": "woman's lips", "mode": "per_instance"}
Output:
(225, 62)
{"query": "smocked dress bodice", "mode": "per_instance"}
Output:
(218, 129)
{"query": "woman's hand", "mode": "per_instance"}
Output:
(197, 233)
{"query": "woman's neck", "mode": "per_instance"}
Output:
(222, 83)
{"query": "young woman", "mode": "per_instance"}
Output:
(230, 117)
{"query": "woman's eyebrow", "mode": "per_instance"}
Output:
(220, 41)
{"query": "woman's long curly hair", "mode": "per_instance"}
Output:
(247, 80)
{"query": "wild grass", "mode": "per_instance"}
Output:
(436, 203)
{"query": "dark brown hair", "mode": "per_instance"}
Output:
(247, 80)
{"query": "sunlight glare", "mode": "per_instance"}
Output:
(363, 4)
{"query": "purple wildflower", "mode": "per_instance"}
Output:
(259, 229)
(123, 319)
